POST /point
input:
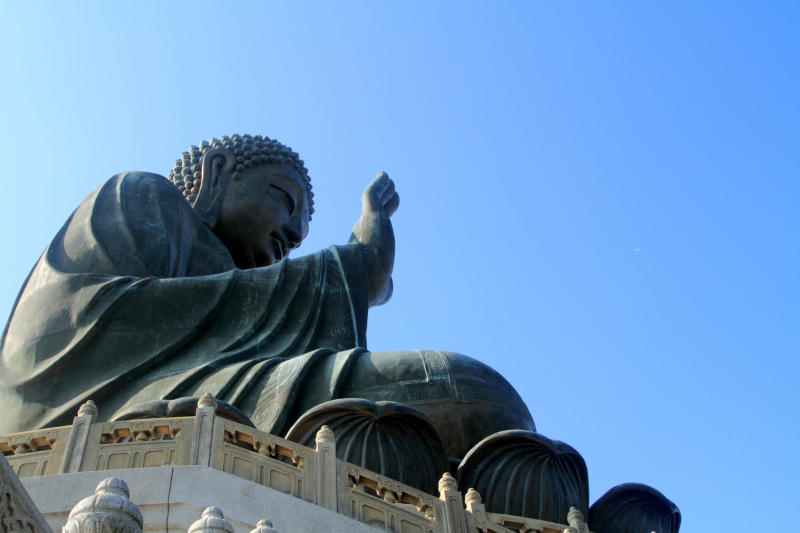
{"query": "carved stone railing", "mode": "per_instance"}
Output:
(34, 453)
(267, 460)
(314, 475)
(387, 504)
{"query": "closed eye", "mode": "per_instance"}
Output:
(287, 198)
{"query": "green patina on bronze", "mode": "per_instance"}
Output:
(144, 298)
(157, 291)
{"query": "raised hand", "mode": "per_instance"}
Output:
(374, 232)
(380, 194)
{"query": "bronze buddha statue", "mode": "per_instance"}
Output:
(156, 290)
(159, 290)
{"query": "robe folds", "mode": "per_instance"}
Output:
(135, 300)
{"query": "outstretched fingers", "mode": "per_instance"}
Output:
(379, 184)
(392, 204)
(390, 200)
(380, 193)
(389, 191)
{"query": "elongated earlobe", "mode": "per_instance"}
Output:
(216, 168)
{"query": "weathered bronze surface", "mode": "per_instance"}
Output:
(158, 291)
(633, 507)
(373, 435)
(154, 293)
(503, 468)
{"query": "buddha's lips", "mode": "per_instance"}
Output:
(278, 248)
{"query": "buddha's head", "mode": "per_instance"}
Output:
(253, 192)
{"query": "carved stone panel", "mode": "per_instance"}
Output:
(17, 510)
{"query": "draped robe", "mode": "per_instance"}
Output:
(135, 300)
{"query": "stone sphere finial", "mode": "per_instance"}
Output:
(473, 496)
(113, 485)
(207, 400)
(447, 482)
(212, 521)
(108, 511)
(325, 434)
(264, 526)
(88, 409)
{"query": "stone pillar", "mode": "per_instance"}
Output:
(326, 469)
(108, 511)
(453, 505)
(575, 521)
(204, 431)
(211, 522)
(78, 436)
(475, 504)
(475, 509)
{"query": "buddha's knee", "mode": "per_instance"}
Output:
(464, 398)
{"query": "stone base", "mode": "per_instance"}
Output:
(172, 498)
(178, 467)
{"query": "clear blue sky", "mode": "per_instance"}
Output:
(600, 200)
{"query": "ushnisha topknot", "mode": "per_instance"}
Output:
(250, 150)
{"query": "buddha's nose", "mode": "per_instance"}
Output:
(293, 236)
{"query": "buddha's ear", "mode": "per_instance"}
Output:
(216, 170)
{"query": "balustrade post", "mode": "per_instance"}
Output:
(327, 496)
(78, 436)
(456, 516)
(475, 509)
(204, 420)
(575, 520)
(475, 504)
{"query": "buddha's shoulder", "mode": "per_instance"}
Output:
(145, 185)
(142, 179)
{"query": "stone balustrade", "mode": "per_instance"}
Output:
(313, 475)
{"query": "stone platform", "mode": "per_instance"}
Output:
(176, 467)
(173, 498)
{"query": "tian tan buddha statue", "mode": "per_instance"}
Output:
(157, 291)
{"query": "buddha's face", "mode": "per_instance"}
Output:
(264, 214)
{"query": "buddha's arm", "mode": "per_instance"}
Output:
(373, 232)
